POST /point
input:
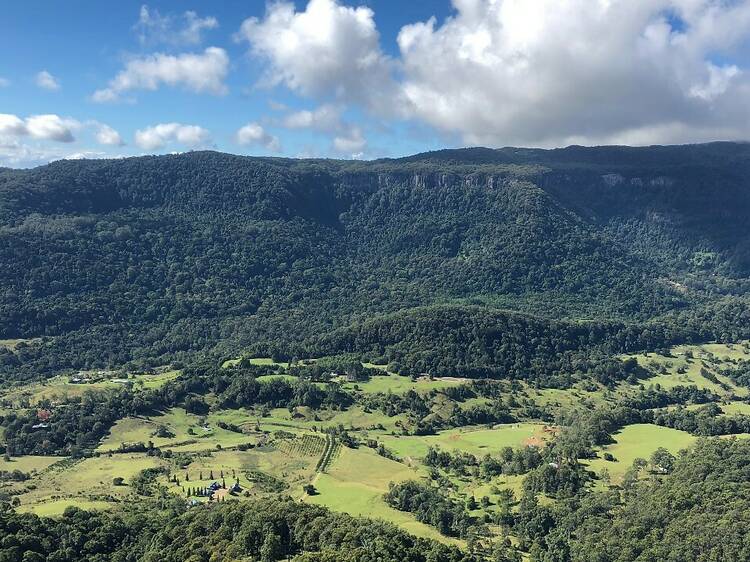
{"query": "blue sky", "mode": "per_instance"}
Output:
(366, 79)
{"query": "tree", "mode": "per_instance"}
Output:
(270, 551)
(502, 551)
(662, 460)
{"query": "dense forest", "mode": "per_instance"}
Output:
(266, 530)
(476, 262)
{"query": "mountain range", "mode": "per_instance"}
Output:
(454, 262)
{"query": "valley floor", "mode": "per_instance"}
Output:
(253, 452)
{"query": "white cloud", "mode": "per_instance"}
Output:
(43, 127)
(158, 136)
(85, 155)
(47, 82)
(719, 80)
(106, 135)
(328, 51)
(12, 125)
(325, 118)
(153, 28)
(347, 137)
(351, 143)
(255, 134)
(4, 82)
(51, 136)
(13, 153)
(201, 72)
(535, 72)
(51, 127)
(546, 72)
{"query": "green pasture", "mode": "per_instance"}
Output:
(191, 432)
(355, 484)
(478, 441)
(398, 384)
(82, 482)
(60, 388)
(639, 440)
(684, 364)
(28, 463)
(263, 361)
(736, 408)
(55, 508)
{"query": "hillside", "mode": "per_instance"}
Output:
(153, 259)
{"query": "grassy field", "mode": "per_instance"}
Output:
(264, 361)
(304, 420)
(736, 408)
(191, 432)
(683, 366)
(356, 482)
(288, 378)
(397, 384)
(29, 463)
(61, 388)
(82, 482)
(639, 440)
(55, 508)
(472, 440)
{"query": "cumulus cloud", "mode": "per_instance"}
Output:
(253, 134)
(198, 72)
(540, 72)
(106, 135)
(53, 135)
(12, 125)
(15, 130)
(153, 28)
(46, 81)
(352, 143)
(545, 72)
(51, 127)
(325, 118)
(158, 136)
(14, 153)
(327, 51)
(44, 127)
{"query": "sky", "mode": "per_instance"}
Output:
(366, 78)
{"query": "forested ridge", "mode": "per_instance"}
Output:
(481, 262)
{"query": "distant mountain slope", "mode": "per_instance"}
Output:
(147, 259)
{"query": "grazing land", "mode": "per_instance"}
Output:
(639, 441)
(264, 451)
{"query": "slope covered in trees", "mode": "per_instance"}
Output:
(266, 530)
(151, 259)
(700, 512)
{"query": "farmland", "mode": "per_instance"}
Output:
(476, 441)
(639, 441)
(347, 457)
